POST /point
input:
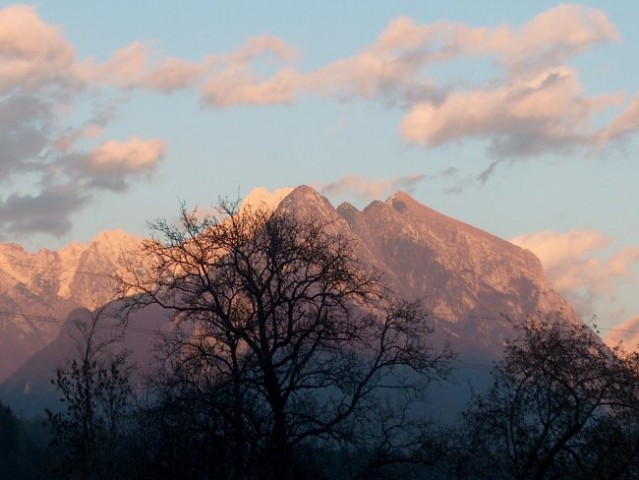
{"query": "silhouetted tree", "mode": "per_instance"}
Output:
(20, 452)
(562, 405)
(95, 390)
(284, 342)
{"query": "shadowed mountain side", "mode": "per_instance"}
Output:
(29, 390)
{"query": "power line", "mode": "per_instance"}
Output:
(502, 318)
(62, 270)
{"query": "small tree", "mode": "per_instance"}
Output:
(283, 336)
(95, 390)
(559, 407)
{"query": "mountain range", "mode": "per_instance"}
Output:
(39, 290)
(472, 283)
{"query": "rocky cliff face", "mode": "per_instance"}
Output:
(468, 280)
(38, 290)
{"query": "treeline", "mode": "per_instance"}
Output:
(560, 405)
(288, 359)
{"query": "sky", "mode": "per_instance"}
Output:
(521, 118)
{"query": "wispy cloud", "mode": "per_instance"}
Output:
(362, 189)
(222, 80)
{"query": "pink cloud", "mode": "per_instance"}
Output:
(537, 105)
(173, 74)
(626, 123)
(363, 189)
(527, 117)
(222, 79)
(625, 334)
(555, 248)
(546, 41)
(263, 198)
(240, 86)
(389, 67)
(133, 156)
(395, 63)
(32, 53)
(260, 46)
(126, 66)
(137, 66)
(233, 80)
(578, 266)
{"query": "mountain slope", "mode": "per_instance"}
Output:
(38, 290)
(467, 279)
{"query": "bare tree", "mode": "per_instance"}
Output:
(95, 390)
(282, 332)
(562, 405)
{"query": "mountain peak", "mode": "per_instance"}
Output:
(116, 240)
(303, 198)
(400, 201)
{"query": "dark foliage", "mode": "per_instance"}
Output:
(21, 452)
(562, 405)
(88, 433)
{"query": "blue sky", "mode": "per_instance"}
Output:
(521, 118)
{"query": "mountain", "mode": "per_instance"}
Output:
(38, 290)
(468, 280)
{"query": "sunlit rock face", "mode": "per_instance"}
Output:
(469, 281)
(38, 290)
